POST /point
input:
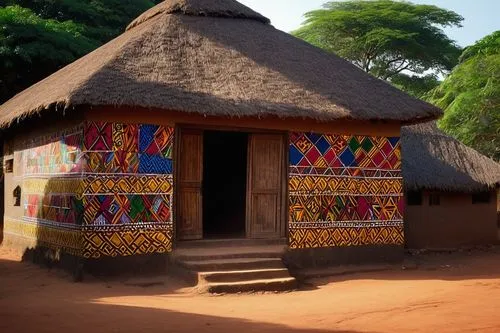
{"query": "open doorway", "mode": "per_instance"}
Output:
(224, 184)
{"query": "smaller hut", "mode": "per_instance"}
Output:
(450, 191)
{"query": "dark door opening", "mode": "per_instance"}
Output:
(224, 184)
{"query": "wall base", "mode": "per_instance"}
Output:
(349, 255)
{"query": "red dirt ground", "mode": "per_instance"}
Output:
(457, 292)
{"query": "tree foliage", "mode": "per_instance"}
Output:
(102, 19)
(385, 38)
(470, 97)
(415, 85)
(38, 37)
(32, 47)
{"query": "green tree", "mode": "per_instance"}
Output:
(38, 37)
(391, 40)
(470, 97)
(417, 86)
(103, 19)
(32, 48)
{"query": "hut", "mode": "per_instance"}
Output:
(451, 191)
(200, 122)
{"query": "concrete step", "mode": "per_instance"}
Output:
(280, 284)
(245, 275)
(229, 252)
(237, 242)
(231, 264)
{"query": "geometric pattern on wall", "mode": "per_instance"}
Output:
(51, 185)
(151, 184)
(127, 189)
(49, 170)
(36, 234)
(131, 149)
(329, 208)
(53, 155)
(302, 238)
(126, 241)
(53, 208)
(344, 190)
(99, 176)
(126, 209)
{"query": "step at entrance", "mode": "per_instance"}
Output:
(227, 268)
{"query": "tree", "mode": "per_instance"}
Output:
(38, 37)
(32, 48)
(385, 38)
(103, 19)
(417, 86)
(470, 97)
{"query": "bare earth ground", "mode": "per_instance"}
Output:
(457, 292)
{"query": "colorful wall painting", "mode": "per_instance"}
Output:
(127, 189)
(344, 191)
(48, 170)
(99, 189)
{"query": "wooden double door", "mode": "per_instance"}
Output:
(265, 187)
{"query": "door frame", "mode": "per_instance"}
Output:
(285, 170)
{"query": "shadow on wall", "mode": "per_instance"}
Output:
(62, 244)
(57, 240)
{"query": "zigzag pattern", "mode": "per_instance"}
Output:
(337, 185)
(350, 181)
(157, 184)
(70, 241)
(329, 208)
(126, 243)
(52, 185)
(337, 151)
(314, 238)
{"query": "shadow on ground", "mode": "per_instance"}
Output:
(42, 300)
(445, 266)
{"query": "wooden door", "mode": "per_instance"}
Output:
(266, 191)
(190, 179)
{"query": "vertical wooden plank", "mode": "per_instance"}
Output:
(190, 179)
(265, 186)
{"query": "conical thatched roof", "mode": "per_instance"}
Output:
(434, 161)
(217, 57)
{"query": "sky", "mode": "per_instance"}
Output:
(481, 17)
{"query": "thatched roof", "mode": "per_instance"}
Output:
(432, 160)
(217, 57)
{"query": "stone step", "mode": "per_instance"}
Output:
(242, 275)
(238, 242)
(198, 254)
(280, 284)
(231, 264)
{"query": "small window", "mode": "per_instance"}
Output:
(434, 199)
(17, 196)
(9, 165)
(414, 198)
(481, 198)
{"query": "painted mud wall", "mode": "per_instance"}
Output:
(127, 189)
(97, 189)
(47, 172)
(344, 191)
(455, 222)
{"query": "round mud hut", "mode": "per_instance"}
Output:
(451, 191)
(203, 125)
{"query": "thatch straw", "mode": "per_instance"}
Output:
(213, 8)
(218, 66)
(434, 161)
